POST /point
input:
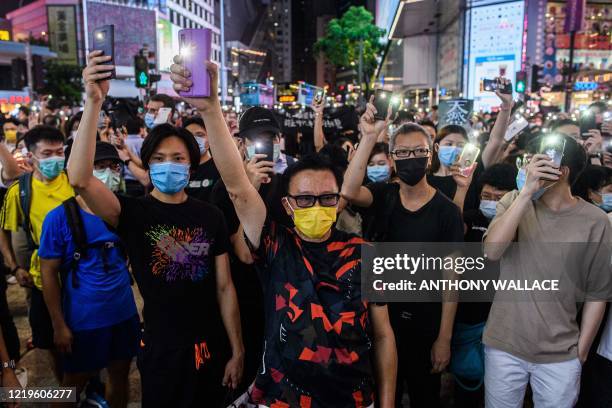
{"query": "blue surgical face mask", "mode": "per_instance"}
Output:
(606, 202)
(51, 167)
(169, 177)
(149, 120)
(378, 173)
(202, 144)
(488, 208)
(448, 154)
(521, 177)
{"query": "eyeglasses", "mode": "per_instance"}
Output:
(406, 153)
(307, 201)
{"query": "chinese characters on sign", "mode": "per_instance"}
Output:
(455, 112)
(62, 33)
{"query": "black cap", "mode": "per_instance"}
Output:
(256, 120)
(106, 151)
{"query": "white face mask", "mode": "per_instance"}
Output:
(73, 134)
(202, 144)
(111, 179)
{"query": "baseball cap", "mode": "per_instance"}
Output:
(106, 151)
(257, 120)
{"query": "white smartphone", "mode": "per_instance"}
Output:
(468, 157)
(515, 128)
(163, 115)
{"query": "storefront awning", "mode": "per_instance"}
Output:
(17, 49)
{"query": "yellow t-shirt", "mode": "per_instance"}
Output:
(45, 197)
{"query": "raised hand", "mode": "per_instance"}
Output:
(95, 76)
(181, 78)
(541, 171)
(367, 122)
(506, 98)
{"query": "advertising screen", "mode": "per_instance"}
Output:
(133, 28)
(495, 46)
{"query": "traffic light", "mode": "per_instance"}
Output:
(521, 81)
(537, 77)
(141, 71)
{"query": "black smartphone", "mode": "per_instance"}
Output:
(265, 146)
(382, 100)
(587, 122)
(104, 40)
(492, 85)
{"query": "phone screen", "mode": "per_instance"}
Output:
(468, 157)
(553, 146)
(318, 98)
(382, 100)
(162, 116)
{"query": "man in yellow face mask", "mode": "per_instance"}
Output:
(322, 341)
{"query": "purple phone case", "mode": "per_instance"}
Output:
(199, 39)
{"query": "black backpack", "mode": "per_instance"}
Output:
(25, 200)
(79, 237)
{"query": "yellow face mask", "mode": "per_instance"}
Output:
(10, 136)
(314, 222)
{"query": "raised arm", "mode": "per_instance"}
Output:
(319, 136)
(503, 230)
(352, 189)
(98, 197)
(10, 167)
(249, 206)
(496, 145)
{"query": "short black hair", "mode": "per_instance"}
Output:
(502, 176)
(164, 131)
(402, 117)
(448, 129)
(428, 122)
(165, 99)
(12, 120)
(73, 119)
(380, 147)
(592, 178)
(42, 132)
(562, 122)
(311, 162)
(336, 155)
(601, 106)
(25, 110)
(194, 120)
(133, 124)
(574, 155)
(51, 120)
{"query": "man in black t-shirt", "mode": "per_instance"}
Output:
(410, 210)
(177, 247)
(203, 179)
(322, 340)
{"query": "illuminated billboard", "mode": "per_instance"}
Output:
(495, 39)
(134, 27)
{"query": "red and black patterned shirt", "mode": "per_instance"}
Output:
(318, 337)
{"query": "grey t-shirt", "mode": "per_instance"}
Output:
(552, 245)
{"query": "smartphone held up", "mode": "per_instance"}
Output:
(382, 100)
(104, 40)
(194, 46)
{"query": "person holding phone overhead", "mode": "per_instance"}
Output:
(177, 247)
(306, 282)
(538, 340)
(410, 210)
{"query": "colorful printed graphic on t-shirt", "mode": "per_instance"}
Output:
(179, 253)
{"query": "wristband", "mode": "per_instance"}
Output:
(501, 108)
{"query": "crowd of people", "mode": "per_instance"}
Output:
(247, 256)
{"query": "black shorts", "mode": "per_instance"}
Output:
(40, 321)
(181, 376)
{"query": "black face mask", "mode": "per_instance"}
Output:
(411, 171)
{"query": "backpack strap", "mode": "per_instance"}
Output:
(25, 201)
(75, 223)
